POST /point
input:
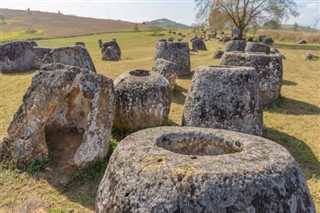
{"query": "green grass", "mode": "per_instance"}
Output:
(292, 121)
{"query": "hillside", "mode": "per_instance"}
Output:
(23, 24)
(166, 23)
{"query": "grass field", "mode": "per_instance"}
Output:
(293, 120)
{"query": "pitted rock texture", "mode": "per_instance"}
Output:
(198, 44)
(143, 100)
(111, 51)
(66, 115)
(224, 98)
(253, 47)
(176, 52)
(235, 46)
(39, 54)
(167, 69)
(111, 54)
(16, 56)
(73, 56)
(188, 169)
(268, 67)
(218, 54)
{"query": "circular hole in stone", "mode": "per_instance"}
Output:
(197, 144)
(140, 73)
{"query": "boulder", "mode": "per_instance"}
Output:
(268, 67)
(33, 43)
(81, 43)
(224, 98)
(253, 47)
(301, 42)
(115, 49)
(73, 56)
(309, 56)
(16, 56)
(176, 52)
(143, 100)
(199, 170)
(235, 45)
(198, 44)
(111, 54)
(167, 69)
(66, 115)
(261, 37)
(268, 41)
(218, 54)
(40, 53)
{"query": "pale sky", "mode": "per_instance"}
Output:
(182, 11)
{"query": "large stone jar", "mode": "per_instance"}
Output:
(189, 169)
(268, 67)
(176, 52)
(224, 98)
(143, 100)
(167, 69)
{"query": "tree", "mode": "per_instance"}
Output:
(156, 30)
(295, 27)
(272, 24)
(219, 20)
(246, 13)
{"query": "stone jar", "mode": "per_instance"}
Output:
(235, 46)
(190, 169)
(224, 98)
(176, 52)
(268, 67)
(253, 47)
(167, 69)
(143, 100)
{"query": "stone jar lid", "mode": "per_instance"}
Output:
(189, 169)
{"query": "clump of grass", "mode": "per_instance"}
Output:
(38, 165)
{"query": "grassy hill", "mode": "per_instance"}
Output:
(166, 23)
(22, 24)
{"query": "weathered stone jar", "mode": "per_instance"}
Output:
(253, 47)
(176, 52)
(142, 100)
(268, 67)
(235, 46)
(189, 169)
(167, 69)
(224, 98)
(66, 115)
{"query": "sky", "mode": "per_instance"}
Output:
(182, 11)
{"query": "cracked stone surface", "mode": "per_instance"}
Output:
(253, 47)
(189, 169)
(16, 56)
(268, 67)
(167, 69)
(224, 98)
(198, 44)
(110, 50)
(235, 46)
(73, 56)
(143, 100)
(66, 115)
(176, 52)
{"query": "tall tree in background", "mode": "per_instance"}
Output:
(246, 13)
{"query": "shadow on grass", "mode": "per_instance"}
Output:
(179, 94)
(289, 106)
(301, 152)
(288, 83)
(297, 46)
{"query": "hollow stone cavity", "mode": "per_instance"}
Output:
(198, 144)
(140, 73)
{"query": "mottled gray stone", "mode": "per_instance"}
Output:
(33, 43)
(111, 54)
(113, 44)
(309, 56)
(218, 54)
(66, 115)
(16, 56)
(224, 98)
(73, 56)
(167, 69)
(268, 41)
(198, 44)
(235, 45)
(143, 100)
(81, 43)
(268, 67)
(301, 41)
(39, 54)
(253, 47)
(193, 170)
(176, 52)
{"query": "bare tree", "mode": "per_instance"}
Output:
(246, 13)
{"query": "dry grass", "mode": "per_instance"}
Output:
(54, 25)
(284, 35)
(292, 121)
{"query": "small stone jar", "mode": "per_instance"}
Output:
(190, 169)
(224, 98)
(142, 100)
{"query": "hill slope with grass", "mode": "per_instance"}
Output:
(166, 23)
(23, 24)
